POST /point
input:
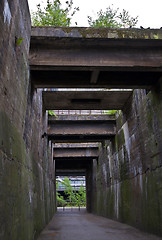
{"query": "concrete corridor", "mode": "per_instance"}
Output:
(75, 224)
(81, 74)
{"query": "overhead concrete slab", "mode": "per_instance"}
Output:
(75, 145)
(73, 165)
(92, 47)
(81, 130)
(85, 100)
(67, 172)
(79, 138)
(75, 153)
(90, 57)
(99, 118)
(76, 77)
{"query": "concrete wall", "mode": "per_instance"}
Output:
(128, 176)
(26, 178)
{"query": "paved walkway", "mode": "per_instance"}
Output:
(73, 225)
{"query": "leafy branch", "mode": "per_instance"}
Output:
(54, 14)
(74, 198)
(51, 113)
(112, 18)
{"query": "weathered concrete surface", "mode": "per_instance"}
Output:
(65, 77)
(73, 164)
(128, 172)
(43, 46)
(26, 186)
(80, 129)
(90, 57)
(73, 224)
(65, 173)
(76, 145)
(103, 117)
(75, 153)
(127, 180)
(103, 33)
(85, 100)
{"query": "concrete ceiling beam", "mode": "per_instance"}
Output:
(75, 153)
(88, 57)
(85, 100)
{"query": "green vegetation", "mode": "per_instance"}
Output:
(112, 18)
(110, 112)
(73, 198)
(51, 113)
(19, 41)
(54, 14)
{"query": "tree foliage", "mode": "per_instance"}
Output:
(54, 14)
(112, 18)
(81, 196)
(75, 198)
(69, 190)
(60, 199)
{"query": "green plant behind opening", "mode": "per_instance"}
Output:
(51, 113)
(110, 112)
(54, 14)
(112, 18)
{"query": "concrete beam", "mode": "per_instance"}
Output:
(103, 117)
(75, 153)
(75, 145)
(86, 57)
(57, 50)
(73, 165)
(85, 100)
(93, 33)
(68, 172)
(68, 77)
(80, 130)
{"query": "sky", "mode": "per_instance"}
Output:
(149, 12)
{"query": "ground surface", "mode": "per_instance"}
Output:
(74, 224)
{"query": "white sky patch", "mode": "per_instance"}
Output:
(149, 12)
(7, 13)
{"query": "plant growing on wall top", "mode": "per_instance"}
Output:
(54, 14)
(112, 18)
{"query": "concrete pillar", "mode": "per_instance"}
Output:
(89, 187)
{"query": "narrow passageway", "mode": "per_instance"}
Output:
(79, 102)
(74, 224)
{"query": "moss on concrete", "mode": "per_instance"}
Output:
(90, 32)
(151, 202)
(135, 166)
(24, 204)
